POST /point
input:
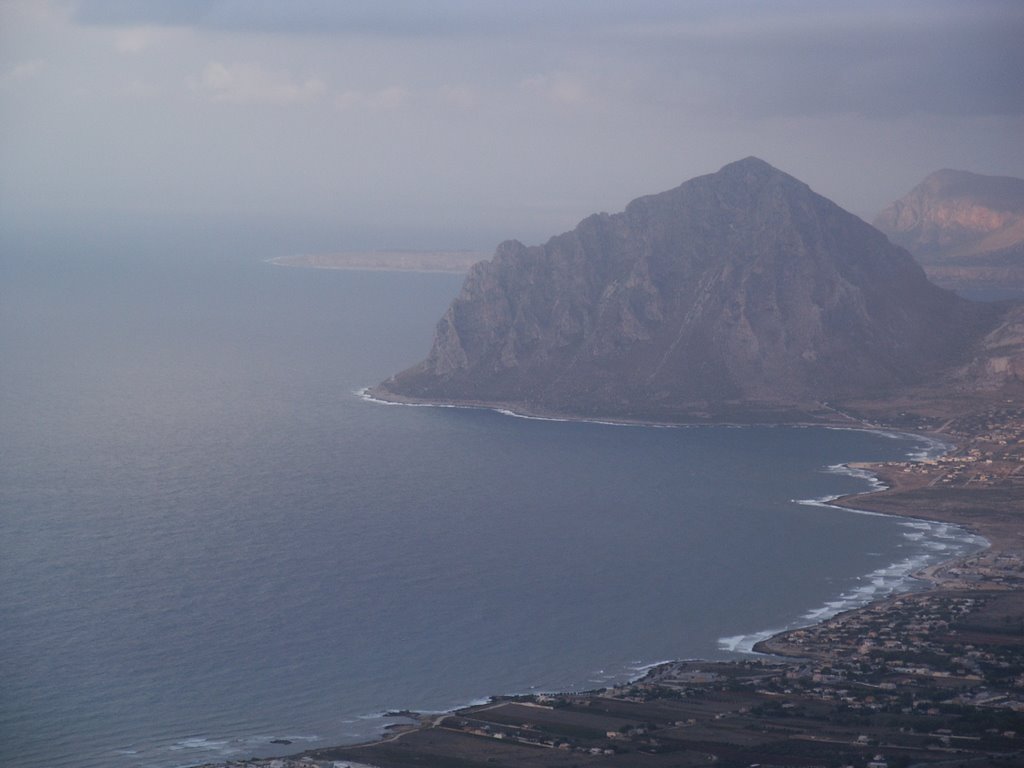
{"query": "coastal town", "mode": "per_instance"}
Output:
(933, 676)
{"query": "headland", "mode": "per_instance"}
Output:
(744, 297)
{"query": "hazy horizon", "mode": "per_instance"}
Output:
(312, 125)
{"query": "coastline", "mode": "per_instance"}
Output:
(761, 642)
(928, 577)
(788, 647)
(895, 496)
(829, 417)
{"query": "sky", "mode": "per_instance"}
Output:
(314, 125)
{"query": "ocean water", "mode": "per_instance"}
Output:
(209, 540)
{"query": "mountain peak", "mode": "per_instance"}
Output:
(749, 163)
(1004, 193)
(751, 171)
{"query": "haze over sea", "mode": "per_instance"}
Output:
(208, 540)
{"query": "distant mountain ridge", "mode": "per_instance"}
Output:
(742, 288)
(966, 229)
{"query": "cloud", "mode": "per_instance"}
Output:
(384, 100)
(561, 88)
(144, 12)
(751, 59)
(867, 59)
(389, 98)
(396, 18)
(460, 96)
(252, 84)
(349, 99)
(20, 72)
(139, 89)
(514, 97)
(134, 39)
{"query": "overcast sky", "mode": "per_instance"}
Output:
(460, 123)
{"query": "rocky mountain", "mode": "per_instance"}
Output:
(997, 363)
(739, 292)
(967, 230)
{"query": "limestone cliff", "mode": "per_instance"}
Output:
(742, 287)
(966, 229)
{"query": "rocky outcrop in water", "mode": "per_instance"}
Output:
(739, 289)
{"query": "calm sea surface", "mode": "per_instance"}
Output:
(209, 541)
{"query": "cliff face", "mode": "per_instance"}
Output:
(739, 286)
(997, 364)
(967, 230)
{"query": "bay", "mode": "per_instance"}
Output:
(209, 540)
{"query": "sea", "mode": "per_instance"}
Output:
(211, 540)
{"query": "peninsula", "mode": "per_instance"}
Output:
(457, 262)
(740, 296)
(744, 297)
